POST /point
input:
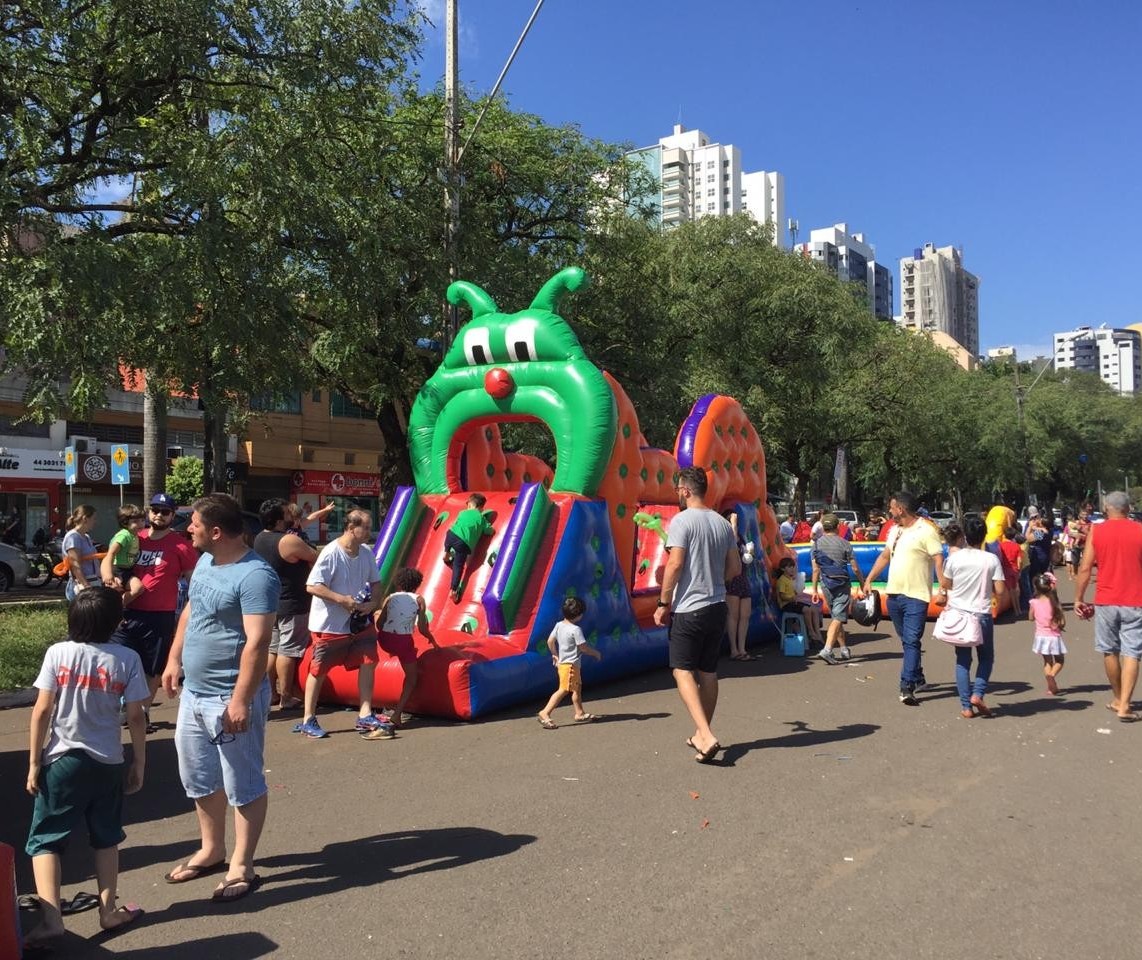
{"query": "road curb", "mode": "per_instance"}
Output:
(18, 698)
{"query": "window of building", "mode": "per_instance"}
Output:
(711, 192)
(339, 406)
(14, 427)
(350, 459)
(288, 403)
(316, 396)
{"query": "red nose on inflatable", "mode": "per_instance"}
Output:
(498, 382)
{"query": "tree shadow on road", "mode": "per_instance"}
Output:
(362, 862)
(802, 736)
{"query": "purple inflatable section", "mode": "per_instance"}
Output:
(689, 431)
(506, 558)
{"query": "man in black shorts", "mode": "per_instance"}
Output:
(148, 624)
(703, 558)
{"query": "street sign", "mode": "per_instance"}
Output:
(120, 468)
(70, 465)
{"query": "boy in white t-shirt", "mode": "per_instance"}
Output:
(567, 645)
(75, 761)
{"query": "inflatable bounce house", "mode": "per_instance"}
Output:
(568, 532)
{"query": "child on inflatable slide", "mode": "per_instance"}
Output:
(462, 537)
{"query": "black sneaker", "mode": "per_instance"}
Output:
(908, 697)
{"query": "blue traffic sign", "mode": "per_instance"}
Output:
(120, 468)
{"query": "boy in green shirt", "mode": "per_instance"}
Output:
(118, 566)
(462, 537)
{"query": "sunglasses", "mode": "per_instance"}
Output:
(161, 511)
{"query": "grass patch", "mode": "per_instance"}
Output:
(25, 633)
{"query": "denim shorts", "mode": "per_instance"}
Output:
(838, 598)
(236, 765)
(1118, 630)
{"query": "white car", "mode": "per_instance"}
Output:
(941, 518)
(851, 517)
(13, 567)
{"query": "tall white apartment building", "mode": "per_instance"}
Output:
(938, 294)
(852, 259)
(1115, 354)
(697, 178)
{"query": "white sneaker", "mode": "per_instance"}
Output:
(843, 653)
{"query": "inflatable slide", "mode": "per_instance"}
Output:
(559, 532)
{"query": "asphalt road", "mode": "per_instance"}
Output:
(838, 824)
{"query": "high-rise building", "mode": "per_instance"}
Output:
(852, 259)
(697, 178)
(1115, 354)
(937, 293)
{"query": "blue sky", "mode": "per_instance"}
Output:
(1010, 129)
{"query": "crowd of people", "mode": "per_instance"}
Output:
(252, 615)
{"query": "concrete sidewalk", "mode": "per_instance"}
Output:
(838, 823)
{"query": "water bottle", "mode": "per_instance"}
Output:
(359, 621)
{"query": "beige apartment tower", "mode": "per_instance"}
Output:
(938, 294)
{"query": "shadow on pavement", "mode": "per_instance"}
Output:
(363, 862)
(802, 736)
(230, 946)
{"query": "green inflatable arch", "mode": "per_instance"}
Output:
(521, 366)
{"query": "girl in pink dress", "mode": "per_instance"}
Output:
(1047, 613)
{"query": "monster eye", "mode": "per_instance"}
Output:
(520, 339)
(478, 346)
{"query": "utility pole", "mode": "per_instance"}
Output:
(1019, 394)
(451, 160)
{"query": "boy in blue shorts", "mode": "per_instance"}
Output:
(567, 645)
(75, 763)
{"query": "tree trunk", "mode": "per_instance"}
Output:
(220, 452)
(396, 468)
(208, 454)
(154, 439)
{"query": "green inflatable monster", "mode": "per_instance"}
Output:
(521, 366)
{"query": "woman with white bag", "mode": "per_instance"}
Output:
(971, 577)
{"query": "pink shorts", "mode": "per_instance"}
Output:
(398, 645)
(348, 650)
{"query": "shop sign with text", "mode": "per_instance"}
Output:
(338, 484)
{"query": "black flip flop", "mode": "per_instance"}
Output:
(707, 756)
(1130, 718)
(194, 871)
(79, 903)
(252, 884)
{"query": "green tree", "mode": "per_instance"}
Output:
(185, 481)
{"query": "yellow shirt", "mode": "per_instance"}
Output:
(910, 573)
(786, 592)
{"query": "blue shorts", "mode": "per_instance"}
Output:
(236, 763)
(149, 633)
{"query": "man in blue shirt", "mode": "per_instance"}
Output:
(221, 646)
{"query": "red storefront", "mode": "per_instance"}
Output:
(32, 494)
(313, 489)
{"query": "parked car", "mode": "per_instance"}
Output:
(851, 517)
(13, 567)
(941, 518)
